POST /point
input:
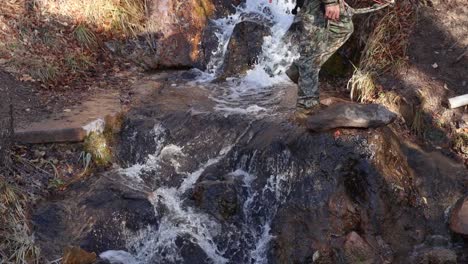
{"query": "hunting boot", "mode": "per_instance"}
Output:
(302, 114)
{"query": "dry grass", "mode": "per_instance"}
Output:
(418, 127)
(460, 143)
(17, 241)
(385, 49)
(44, 72)
(79, 63)
(85, 37)
(35, 35)
(387, 45)
(390, 99)
(124, 16)
(361, 86)
(96, 145)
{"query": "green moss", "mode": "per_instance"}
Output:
(204, 8)
(97, 145)
(460, 142)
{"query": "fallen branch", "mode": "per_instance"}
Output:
(462, 55)
(458, 101)
(28, 163)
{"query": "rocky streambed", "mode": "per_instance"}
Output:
(196, 183)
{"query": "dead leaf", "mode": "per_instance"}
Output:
(26, 78)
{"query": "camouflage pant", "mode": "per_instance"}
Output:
(319, 39)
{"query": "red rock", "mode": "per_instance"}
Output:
(459, 217)
(76, 255)
(345, 216)
(179, 26)
(357, 250)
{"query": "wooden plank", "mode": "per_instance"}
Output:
(50, 136)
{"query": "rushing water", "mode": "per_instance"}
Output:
(247, 241)
(255, 92)
(274, 49)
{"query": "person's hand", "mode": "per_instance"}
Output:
(332, 12)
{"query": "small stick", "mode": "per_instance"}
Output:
(461, 56)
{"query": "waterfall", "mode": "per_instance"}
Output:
(246, 241)
(259, 90)
(275, 51)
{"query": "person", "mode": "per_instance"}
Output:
(325, 25)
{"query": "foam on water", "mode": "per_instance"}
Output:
(118, 257)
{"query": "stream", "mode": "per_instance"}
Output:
(215, 172)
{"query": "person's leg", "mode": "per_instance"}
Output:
(312, 41)
(319, 40)
(338, 33)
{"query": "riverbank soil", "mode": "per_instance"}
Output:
(436, 71)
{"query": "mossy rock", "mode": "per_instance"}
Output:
(97, 145)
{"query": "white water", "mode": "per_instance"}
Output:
(274, 49)
(257, 91)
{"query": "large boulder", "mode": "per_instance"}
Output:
(350, 115)
(459, 217)
(93, 215)
(244, 47)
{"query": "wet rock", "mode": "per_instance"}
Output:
(434, 256)
(94, 215)
(357, 250)
(191, 252)
(349, 115)
(210, 42)
(345, 214)
(459, 217)
(262, 186)
(293, 73)
(217, 197)
(244, 47)
(76, 255)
